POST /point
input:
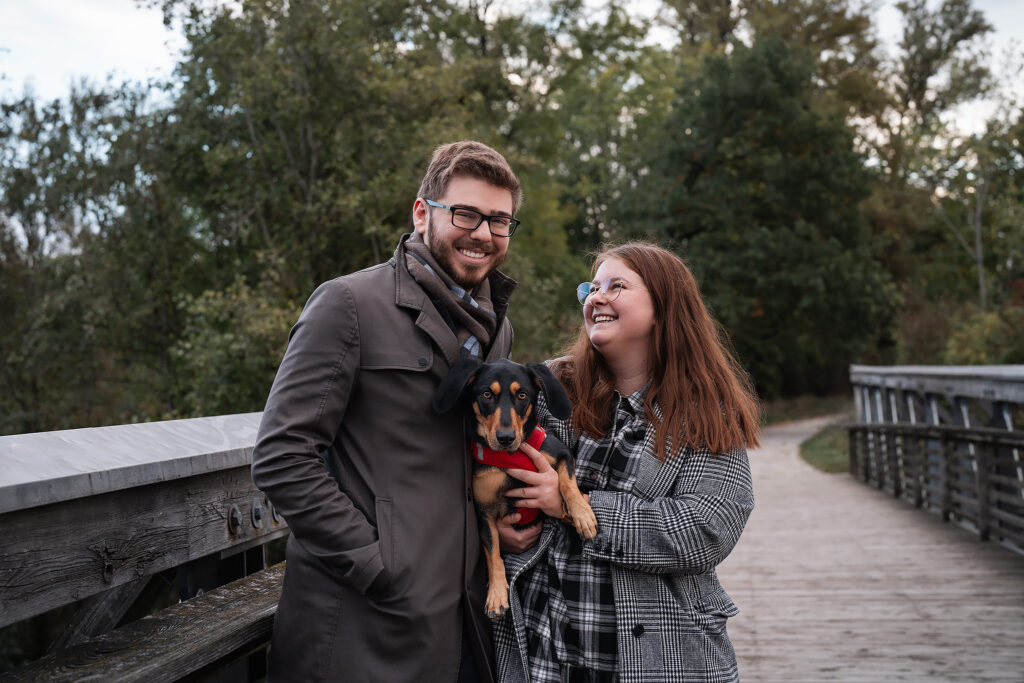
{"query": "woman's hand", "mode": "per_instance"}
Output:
(511, 540)
(541, 490)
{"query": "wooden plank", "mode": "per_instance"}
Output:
(56, 554)
(51, 467)
(100, 613)
(1010, 497)
(1007, 466)
(1010, 518)
(174, 643)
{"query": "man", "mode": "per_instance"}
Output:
(383, 580)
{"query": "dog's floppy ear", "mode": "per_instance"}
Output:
(558, 400)
(454, 383)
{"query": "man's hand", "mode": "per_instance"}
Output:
(516, 541)
(541, 490)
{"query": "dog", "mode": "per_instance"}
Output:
(500, 398)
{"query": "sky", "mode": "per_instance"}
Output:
(48, 44)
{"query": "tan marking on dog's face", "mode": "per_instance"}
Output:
(496, 387)
(518, 421)
(514, 388)
(487, 426)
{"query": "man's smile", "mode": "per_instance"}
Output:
(471, 253)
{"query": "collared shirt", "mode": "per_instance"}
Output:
(567, 598)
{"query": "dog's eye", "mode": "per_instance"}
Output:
(522, 395)
(487, 394)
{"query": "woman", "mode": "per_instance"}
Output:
(662, 414)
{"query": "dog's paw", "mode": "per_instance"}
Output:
(584, 520)
(497, 609)
(497, 613)
(497, 602)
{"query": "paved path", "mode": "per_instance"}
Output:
(837, 581)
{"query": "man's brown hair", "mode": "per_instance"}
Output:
(471, 159)
(704, 394)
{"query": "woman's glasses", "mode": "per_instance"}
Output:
(610, 288)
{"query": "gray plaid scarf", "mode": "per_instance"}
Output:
(470, 316)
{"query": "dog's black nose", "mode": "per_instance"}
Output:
(505, 437)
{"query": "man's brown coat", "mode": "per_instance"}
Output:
(383, 559)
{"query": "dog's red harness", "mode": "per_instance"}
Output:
(517, 460)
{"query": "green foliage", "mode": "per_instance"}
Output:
(761, 193)
(544, 310)
(837, 37)
(940, 65)
(154, 240)
(309, 123)
(230, 348)
(987, 338)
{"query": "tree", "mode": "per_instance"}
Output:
(50, 355)
(836, 35)
(940, 67)
(761, 194)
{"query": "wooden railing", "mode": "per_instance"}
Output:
(945, 439)
(97, 515)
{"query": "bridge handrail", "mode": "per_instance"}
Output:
(945, 439)
(97, 513)
(51, 467)
(989, 382)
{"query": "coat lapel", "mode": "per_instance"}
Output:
(409, 294)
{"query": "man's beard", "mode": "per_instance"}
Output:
(445, 255)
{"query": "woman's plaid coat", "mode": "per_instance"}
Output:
(663, 541)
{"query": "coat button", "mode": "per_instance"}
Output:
(638, 630)
(423, 362)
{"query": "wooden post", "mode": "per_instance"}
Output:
(882, 452)
(852, 440)
(894, 464)
(1006, 415)
(945, 505)
(915, 454)
(981, 482)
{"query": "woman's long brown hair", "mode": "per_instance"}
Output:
(704, 394)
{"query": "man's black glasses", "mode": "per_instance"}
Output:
(470, 219)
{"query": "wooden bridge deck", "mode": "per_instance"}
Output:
(837, 581)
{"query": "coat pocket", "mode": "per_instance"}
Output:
(386, 534)
(712, 618)
(416, 357)
(703, 599)
(712, 612)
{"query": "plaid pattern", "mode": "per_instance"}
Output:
(662, 529)
(573, 627)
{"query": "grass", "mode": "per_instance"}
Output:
(784, 409)
(828, 450)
